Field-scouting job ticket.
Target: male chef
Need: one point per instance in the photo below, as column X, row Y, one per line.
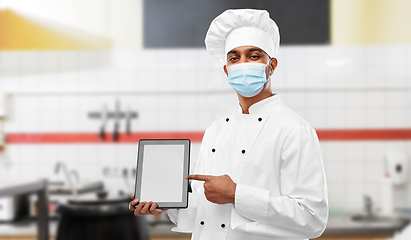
column 259, row 174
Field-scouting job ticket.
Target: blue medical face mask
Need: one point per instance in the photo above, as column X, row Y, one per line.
column 247, row 79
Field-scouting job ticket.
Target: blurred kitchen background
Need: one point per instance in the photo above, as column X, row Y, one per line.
column 82, row 81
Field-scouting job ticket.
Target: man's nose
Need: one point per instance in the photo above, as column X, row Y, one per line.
column 243, row 59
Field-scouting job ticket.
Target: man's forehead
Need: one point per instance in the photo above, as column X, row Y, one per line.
column 245, row 49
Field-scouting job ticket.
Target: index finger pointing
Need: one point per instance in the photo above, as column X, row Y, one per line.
column 198, row 177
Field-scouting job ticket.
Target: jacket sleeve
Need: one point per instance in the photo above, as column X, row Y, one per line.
column 302, row 209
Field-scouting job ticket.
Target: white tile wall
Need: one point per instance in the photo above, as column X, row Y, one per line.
column 337, row 87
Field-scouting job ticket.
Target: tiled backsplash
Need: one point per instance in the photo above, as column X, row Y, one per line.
column 332, row 87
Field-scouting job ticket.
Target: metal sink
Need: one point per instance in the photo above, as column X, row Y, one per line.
column 80, row 188
column 362, row 224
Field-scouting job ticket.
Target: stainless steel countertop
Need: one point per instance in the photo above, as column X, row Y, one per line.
column 21, row 187
column 343, row 225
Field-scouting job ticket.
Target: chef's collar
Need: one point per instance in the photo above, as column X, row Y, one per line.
column 264, row 106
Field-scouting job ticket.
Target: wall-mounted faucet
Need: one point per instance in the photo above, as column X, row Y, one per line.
column 67, row 175
column 75, row 174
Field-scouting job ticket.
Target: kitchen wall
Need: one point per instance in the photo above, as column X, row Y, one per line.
column 184, row 90
column 370, row 22
column 120, row 21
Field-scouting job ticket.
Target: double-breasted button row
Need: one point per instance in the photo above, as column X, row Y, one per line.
column 259, row 119
column 242, row 151
column 222, row 225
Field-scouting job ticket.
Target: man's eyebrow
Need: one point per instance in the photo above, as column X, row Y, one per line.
column 248, row 50
column 254, row 49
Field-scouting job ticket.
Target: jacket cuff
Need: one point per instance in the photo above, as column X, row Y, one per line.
column 252, row 202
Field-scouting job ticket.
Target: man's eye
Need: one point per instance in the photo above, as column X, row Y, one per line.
column 232, row 58
column 255, row 57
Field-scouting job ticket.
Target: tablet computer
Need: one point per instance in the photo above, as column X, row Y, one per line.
column 162, row 165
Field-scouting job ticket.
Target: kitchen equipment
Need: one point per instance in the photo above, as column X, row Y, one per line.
column 387, row 197
column 368, row 204
column 396, row 164
column 61, row 188
column 104, row 116
column 13, row 207
column 128, row 121
column 8, row 208
column 102, row 219
column 67, row 175
column 116, row 121
column 38, row 187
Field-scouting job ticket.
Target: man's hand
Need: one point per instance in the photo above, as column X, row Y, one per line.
column 145, row 208
column 217, row 189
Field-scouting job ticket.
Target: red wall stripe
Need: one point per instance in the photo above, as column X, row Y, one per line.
column 27, row 138
column 323, row 134
column 364, row 134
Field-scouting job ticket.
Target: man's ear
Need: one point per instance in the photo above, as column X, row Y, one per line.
column 225, row 70
column 273, row 65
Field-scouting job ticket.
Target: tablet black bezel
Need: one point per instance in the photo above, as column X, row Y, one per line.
column 137, row 187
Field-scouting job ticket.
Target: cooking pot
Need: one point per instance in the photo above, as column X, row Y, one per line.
column 99, row 219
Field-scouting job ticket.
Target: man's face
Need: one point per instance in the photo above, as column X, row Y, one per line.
column 250, row 54
column 246, row 54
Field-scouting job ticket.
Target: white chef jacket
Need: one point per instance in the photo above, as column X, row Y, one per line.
column 274, row 157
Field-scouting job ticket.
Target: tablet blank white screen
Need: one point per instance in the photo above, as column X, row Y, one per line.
column 162, row 173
